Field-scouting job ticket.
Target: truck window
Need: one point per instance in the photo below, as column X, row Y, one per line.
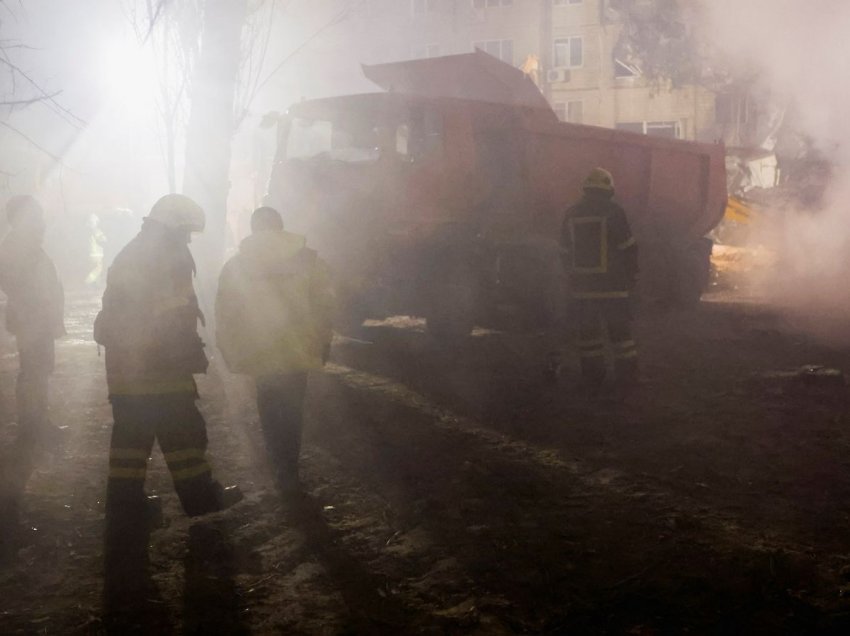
column 308, row 138
column 358, row 138
column 350, row 142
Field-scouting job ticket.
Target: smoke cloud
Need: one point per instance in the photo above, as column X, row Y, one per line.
column 800, row 50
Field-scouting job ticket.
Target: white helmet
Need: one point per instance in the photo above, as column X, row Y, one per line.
column 178, row 211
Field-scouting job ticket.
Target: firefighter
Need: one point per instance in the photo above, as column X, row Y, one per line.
column 602, row 267
column 34, row 314
column 273, row 322
column 148, row 327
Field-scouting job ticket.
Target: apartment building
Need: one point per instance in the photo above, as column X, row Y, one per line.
column 392, row 30
column 567, row 45
column 587, row 83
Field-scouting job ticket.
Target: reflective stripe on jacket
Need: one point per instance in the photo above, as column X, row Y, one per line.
column 602, row 252
column 273, row 307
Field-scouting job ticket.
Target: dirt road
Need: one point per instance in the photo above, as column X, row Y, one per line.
column 455, row 490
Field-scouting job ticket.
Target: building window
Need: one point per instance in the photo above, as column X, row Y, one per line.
column 666, row 129
column 560, row 109
column 624, row 69
column 486, row 4
column 563, row 3
column 420, row 7
column 419, row 52
column 502, row 49
column 572, row 111
column 569, row 52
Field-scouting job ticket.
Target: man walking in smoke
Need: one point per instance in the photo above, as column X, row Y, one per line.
column 34, row 314
column 602, row 266
column 148, row 326
column 273, row 317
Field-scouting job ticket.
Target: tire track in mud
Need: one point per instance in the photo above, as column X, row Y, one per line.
column 594, row 480
column 591, row 505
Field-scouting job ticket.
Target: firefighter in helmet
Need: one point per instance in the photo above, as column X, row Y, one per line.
column 148, row 327
column 602, row 266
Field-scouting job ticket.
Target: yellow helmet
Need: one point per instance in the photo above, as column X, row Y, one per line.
column 178, row 211
column 599, row 179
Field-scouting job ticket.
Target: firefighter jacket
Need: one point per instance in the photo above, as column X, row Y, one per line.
column 600, row 249
column 36, row 302
column 273, row 307
column 148, row 324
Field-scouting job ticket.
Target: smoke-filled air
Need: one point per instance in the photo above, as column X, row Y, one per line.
column 795, row 55
column 424, row 317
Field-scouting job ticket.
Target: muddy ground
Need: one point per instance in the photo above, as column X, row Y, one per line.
column 454, row 490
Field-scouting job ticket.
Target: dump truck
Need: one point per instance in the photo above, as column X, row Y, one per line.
column 443, row 195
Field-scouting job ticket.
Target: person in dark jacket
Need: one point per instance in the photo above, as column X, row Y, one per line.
column 602, row 267
column 273, row 322
column 34, row 314
column 148, row 327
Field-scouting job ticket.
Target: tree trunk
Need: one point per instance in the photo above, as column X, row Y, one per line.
column 210, row 131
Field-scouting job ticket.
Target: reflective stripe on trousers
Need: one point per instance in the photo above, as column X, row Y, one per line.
column 601, row 323
column 176, row 424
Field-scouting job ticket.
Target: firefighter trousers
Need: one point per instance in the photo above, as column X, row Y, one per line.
column 604, row 323
column 280, row 404
column 174, row 421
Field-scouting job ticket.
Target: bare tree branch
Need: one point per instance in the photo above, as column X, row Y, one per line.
column 31, row 100
column 34, row 143
column 11, row 44
column 69, row 117
column 254, row 58
column 154, row 18
column 342, row 15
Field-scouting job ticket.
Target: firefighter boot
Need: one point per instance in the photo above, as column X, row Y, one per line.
column 203, row 496
column 229, row 496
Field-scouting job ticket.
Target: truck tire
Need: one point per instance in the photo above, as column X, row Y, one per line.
column 694, row 272
column 451, row 308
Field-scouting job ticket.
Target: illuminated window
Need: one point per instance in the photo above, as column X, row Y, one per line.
column 502, row 49
column 569, row 52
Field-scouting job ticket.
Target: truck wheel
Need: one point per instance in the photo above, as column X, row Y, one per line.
column 694, row 272
column 451, row 309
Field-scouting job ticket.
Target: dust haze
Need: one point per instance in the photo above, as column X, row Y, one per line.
column 799, row 52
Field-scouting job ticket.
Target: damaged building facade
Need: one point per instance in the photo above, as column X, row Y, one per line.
column 581, row 53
